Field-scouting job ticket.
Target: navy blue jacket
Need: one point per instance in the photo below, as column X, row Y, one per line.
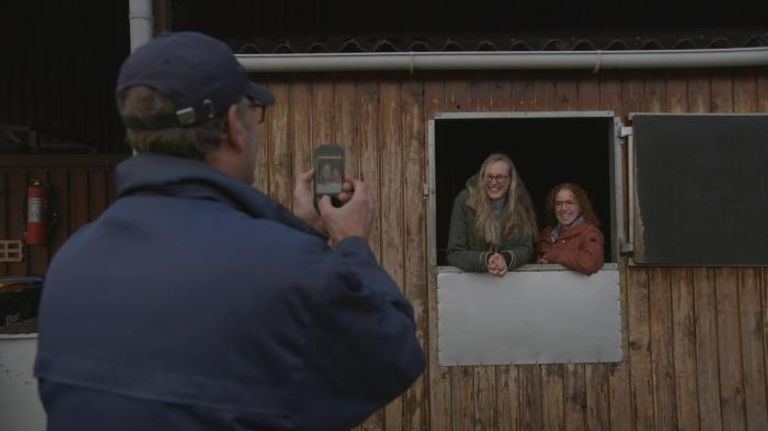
column 196, row 302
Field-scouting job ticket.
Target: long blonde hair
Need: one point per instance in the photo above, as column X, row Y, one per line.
column 518, row 221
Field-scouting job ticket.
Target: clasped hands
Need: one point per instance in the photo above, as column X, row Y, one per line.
column 496, row 264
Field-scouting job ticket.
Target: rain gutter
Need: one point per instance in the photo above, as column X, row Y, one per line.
column 506, row 60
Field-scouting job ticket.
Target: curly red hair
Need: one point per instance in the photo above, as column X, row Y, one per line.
column 581, row 198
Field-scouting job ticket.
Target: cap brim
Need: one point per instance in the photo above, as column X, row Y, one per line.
column 259, row 93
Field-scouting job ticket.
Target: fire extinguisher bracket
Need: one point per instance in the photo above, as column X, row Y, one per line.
column 40, row 217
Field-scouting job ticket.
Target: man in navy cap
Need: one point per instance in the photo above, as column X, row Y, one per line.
column 195, row 301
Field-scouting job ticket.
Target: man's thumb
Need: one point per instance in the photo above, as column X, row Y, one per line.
column 324, row 205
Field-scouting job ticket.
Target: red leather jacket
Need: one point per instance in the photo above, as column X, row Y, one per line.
column 579, row 247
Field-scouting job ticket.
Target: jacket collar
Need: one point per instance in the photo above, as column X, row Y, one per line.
column 175, row 176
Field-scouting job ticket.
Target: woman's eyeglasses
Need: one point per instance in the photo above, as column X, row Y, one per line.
column 496, row 178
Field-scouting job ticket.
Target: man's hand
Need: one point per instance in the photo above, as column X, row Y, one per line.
column 354, row 217
column 496, row 265
column 304, row 199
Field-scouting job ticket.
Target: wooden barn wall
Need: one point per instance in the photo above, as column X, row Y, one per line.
column 695, row 339
column 82, row 186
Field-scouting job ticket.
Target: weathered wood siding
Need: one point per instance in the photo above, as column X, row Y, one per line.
column 82, row 186
column 695, row 339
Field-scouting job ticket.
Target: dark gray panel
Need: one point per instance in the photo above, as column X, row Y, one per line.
column 702, row 189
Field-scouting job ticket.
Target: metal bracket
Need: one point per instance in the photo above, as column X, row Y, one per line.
column 627, row 247
column 425, row 192
column 625, row 132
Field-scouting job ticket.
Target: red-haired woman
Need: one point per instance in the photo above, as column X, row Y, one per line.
column 573, row 239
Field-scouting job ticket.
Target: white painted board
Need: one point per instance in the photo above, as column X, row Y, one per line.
column 541, row 314
column 20, row 407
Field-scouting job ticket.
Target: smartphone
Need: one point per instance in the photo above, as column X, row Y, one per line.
column 329, row 172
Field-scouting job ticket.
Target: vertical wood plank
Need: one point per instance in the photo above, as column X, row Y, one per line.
column 507, row 383
column 721, row 87
column 523, row 96
column 261, row 169
column 745, row 94
column 544, row 94
column 4, row 208
column 440, row 412
column 530, row 409
column 621, row 401
column 595, row 375
column 575, row 397
column 598, row 397
column 566, row 95
column 531, row 398
column 17, row 187
column 574, row 375
column 698, row 92
column 655, row 93
column 368, row 141
column 753, row 338
column 707, row 348
column 484, row 376
column 728, row 332
column 462, row 378
column 639, row 348
column 705, row 299
column 302, row 148
column 415, row 400
column 620, row 395
column 97, row 192
column 59, row 181
column 762, row 91
column 278, row 166
column 391, row 207
column 729, row 347
column 321, row 119
column 588, row 93
column 684, row 348
column 78, row 200
column 345, row 122
column 501, row 94
column 552, row 386
column 662, row 363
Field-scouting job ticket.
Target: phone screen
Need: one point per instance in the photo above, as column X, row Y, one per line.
column 329, row 172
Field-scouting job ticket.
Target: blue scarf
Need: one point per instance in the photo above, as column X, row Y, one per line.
column 556, row 230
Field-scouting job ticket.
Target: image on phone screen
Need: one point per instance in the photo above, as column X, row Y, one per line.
column 329, row 174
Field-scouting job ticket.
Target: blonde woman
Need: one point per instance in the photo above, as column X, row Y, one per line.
column 493, row 225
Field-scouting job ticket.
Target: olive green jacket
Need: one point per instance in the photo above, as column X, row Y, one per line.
column 469, row 251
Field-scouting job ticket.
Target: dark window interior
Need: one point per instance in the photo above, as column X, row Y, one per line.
column 546, row 151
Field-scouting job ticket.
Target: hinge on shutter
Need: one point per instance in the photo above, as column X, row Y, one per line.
column 625, row 131
column 426, row 191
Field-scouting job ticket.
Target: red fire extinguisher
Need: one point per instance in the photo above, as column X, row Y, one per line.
column 37, row 213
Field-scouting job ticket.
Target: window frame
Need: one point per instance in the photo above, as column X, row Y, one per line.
column 618, row 232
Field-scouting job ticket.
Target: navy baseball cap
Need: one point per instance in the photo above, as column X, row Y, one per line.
column 198, row 73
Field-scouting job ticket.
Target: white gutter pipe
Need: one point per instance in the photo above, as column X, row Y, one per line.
column 141, row 22
column 506, row 60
